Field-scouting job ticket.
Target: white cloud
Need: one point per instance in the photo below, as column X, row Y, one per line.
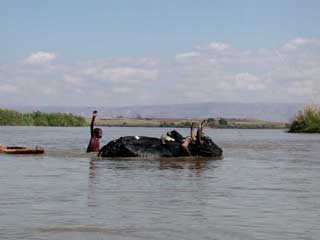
column 248, row 81
column 40, row 57
column 186, row 55
column 302, row 88
column 218, row 46
column 121, row 90
column 72, row 79
column 253, row 75
column 300, row 42
column 214, row 46
column 123, row 74
column 8, row 88
column 210, row 72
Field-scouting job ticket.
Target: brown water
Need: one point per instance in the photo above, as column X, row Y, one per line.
column 267, row 187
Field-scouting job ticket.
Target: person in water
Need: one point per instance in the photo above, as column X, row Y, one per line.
column 177, row 137
column 186, row 141
column 96, row 134
column 200, row 133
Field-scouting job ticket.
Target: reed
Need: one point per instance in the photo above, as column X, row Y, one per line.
column 306, row 121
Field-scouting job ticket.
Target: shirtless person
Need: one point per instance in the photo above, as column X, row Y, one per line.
column 175, row 136
column 96, row 134
column 186, row 141
column 192, row 138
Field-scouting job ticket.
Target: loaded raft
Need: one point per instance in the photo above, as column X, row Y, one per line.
column 141, row 146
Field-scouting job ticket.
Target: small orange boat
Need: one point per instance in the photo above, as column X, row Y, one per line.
column 22, row 150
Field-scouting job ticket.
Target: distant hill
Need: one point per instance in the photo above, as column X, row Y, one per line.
column 262, row 111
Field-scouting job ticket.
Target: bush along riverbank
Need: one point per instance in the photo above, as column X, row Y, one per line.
column 13, row 118
column 306, row 121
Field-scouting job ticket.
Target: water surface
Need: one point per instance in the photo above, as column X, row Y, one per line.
column 267, row 187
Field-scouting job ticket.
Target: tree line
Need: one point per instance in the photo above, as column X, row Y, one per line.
column 14, row 118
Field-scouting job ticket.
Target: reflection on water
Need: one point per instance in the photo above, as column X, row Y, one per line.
column 267, row 187
column 86, row 230
column 195, row 165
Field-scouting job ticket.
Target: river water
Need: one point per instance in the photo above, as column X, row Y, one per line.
column 267, row 187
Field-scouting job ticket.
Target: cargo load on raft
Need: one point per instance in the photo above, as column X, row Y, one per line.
column 141, row 146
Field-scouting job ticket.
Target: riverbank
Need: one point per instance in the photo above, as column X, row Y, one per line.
column 14, row 118
column 182, row 123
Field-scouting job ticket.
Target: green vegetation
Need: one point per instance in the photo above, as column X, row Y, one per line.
column 13, row 118
column 306, row 121
column 223, row 122
column 252, row 126
column 167, row 124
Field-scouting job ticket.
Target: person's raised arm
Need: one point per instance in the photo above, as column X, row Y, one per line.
column 193, row 137
column 94, row 114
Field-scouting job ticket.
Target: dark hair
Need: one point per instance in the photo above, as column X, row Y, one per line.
column 97, row 132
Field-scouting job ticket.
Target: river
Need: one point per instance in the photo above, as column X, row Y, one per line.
column 266, row 187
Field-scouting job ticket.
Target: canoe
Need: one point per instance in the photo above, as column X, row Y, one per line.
column 23, row 150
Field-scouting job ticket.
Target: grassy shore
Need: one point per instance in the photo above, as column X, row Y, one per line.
column 13, row 118
column 181, row 123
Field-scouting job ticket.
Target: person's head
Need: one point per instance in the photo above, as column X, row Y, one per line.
column 97, row 132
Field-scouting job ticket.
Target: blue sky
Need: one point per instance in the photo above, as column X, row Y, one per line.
column 94, row 29
column 128, row 46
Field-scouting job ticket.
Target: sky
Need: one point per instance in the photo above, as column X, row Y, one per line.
column 147, row 52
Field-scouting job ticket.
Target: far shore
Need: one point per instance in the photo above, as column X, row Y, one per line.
column 186, row 123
